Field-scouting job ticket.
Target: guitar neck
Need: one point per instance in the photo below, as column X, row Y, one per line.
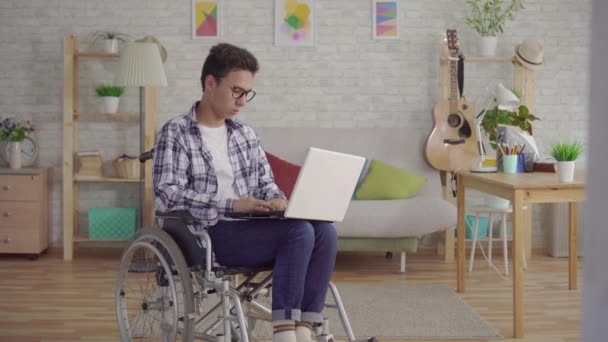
column 453, row 87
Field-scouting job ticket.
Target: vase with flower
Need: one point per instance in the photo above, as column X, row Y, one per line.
column 14, row 132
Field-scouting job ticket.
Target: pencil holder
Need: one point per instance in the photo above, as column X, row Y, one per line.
column 509, row 163
column 521, row 163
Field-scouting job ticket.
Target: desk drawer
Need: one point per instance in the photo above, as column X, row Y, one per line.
column 20, row 187
column 19, row 241
column 22, row 215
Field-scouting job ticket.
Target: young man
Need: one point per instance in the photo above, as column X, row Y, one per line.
column 210, row 164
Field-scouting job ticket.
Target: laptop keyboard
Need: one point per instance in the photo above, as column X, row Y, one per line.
column 254, row 215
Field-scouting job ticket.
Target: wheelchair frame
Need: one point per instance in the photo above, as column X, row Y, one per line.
column 197, row 285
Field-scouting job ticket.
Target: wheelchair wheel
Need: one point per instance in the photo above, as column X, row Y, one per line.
column 154, row 300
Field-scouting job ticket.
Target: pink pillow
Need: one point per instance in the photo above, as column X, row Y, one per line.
column 285, row 173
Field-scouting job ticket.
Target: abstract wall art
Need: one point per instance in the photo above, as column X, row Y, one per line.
column 385, row 19
column 294, row 23
column 206, row 19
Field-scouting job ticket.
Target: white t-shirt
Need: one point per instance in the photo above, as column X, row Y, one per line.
column 216, row 141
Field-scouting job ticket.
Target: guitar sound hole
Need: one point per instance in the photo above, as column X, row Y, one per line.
column 465, row 130
column 454, row 120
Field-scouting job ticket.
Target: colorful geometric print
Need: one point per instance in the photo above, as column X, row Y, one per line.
column 206, row 19
column 386, row 19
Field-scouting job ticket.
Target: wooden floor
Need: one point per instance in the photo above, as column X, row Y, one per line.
column 53, row 300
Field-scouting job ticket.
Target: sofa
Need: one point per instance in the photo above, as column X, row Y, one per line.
column 375, row 225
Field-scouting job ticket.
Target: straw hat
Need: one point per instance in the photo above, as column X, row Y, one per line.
column 161, row 48
column 530, row 54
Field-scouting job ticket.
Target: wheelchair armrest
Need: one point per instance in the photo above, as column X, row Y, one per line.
column 183, row 215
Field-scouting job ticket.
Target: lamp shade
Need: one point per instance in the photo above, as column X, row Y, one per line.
column 140, row 65
column 506, row 99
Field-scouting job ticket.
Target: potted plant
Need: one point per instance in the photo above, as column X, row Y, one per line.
column 565, row 154
column 15, row 132
column 110, row 95
column 488, row 18
column 494, row 117
column 110, row 40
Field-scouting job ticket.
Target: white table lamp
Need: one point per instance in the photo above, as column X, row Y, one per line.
column 140, row 65
column 506, row 101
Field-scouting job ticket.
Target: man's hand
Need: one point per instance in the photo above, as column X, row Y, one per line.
column 278, row 203
column 245, row 204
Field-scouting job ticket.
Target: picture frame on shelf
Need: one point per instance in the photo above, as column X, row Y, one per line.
column 206, row 19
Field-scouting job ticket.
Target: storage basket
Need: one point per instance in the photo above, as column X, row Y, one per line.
column 127, row 167
column 111, row 223
column 482, row 229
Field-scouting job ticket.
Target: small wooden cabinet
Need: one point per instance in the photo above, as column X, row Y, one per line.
column 24, row 211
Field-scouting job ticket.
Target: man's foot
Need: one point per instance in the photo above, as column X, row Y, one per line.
column 284, row 331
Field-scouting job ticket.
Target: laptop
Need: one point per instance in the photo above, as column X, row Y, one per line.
column 323, row 189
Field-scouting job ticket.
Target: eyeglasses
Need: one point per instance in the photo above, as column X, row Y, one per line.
column 238, row 92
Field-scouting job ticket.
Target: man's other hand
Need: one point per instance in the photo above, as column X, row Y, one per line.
column 246, row 204
column 278, row 203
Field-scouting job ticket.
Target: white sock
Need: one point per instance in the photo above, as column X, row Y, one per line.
column 304, row 332
column 284, row 331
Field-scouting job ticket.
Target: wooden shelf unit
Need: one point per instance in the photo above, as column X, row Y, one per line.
column 523, row 78
column 98, row 115
column 105, row 180
column 523, row 82
column 71, row 117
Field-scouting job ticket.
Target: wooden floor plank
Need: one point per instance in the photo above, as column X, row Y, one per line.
column 53, row 300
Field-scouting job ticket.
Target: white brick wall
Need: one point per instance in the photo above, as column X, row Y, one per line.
column 346, row 80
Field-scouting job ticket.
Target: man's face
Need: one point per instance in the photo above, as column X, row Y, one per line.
column 223, row 92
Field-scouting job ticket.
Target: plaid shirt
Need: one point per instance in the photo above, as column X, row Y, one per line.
column 184, row 176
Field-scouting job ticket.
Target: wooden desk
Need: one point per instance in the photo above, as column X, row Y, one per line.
column 523, row 189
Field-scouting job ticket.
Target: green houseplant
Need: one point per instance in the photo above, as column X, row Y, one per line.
column 494, row 117
column 110, row 95
column 565, row 155
column 488, row 18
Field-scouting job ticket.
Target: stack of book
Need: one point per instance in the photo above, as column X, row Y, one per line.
column 90, row 164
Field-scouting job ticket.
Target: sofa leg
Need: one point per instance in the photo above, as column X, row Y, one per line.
column 402, row 262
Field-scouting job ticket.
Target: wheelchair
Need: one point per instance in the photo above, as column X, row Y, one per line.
column 160, row 296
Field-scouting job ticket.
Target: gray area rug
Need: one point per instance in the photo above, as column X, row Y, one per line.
column 397, row 311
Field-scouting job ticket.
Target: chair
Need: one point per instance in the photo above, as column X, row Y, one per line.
column 162, row 295
column 491, row 212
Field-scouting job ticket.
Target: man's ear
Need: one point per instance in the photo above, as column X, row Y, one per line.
column 210, row 82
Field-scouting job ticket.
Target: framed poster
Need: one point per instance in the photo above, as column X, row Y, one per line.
column 206, row 19
column 294, row 22
column 385, row 19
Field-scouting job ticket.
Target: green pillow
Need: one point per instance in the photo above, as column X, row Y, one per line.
column 386, row 182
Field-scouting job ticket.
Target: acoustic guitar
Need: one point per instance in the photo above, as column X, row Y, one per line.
column 452, row 144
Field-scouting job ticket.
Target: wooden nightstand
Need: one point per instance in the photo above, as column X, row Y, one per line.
column 24, row 211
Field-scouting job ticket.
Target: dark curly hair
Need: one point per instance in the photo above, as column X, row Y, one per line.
column 224, row 58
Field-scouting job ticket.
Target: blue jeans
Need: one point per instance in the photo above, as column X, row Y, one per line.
column 303, row 253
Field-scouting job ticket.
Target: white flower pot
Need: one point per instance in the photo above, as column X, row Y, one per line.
column 565, row 171
column 15, row 157
column 487, row 46
column 110, row 45
column 110, row 104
